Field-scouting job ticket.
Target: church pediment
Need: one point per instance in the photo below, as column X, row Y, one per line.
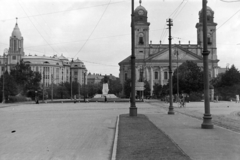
column 182, row 55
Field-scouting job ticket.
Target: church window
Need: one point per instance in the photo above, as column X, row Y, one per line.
column 126, row 76
column 156, row 75
column 15, row 45
column 13, row 57
column 141, row 76
column 141, row 42
column 209, row 39
column 165, row 75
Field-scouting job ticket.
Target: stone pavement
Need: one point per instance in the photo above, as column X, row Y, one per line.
column 200, row 144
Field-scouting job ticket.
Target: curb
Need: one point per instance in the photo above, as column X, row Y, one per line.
column 114, row 150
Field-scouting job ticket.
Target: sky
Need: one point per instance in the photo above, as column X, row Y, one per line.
column 98, row 31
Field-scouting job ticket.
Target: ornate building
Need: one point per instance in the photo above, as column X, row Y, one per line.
column 53, row 69
column 152, row 60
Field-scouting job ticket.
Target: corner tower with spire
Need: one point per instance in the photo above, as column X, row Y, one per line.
column 16, row 46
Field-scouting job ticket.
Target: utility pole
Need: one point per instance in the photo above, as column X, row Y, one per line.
column 207, row 118
column 84, row 96
column 52, row 85
column 170, row 111
column 133, row 108
column 43, row 83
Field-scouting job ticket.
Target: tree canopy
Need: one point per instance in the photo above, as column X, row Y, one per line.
column 190, row 78
column 25, row 78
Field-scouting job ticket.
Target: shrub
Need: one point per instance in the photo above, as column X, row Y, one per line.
column 13, row 99
column 195, row 96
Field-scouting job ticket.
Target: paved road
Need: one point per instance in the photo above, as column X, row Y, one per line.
column 60, row 131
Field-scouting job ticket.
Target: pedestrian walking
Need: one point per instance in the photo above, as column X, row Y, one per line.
column 105, row 98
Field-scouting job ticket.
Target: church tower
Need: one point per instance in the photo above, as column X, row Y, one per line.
column 16, row 46
column 141, row 30
column 211, row 39
column 211, row 32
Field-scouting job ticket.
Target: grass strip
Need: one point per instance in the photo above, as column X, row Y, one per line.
column 140, row 139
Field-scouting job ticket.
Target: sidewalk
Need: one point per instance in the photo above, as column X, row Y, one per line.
column 199, row 144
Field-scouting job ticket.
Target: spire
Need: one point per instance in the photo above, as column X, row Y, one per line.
column 16, row 20
column 140, row 1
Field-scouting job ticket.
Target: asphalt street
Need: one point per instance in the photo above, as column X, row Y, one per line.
column 60, row 131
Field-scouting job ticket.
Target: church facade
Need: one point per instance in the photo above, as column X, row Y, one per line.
column 152, row 60
column 53, row 69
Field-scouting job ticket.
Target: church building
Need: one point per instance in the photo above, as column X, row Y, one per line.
column 152, row 60
column 53, row 69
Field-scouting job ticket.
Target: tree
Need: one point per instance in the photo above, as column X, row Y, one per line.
column 25, row 78
column 10, row 87
column 227, row 85
column 229, row 78
column 147, row 89
column 127, row 88
column 115, row 86
column 157, row 88
column 190, row 78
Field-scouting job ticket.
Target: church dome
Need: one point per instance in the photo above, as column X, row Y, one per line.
column 16, row 32
column 140, row 8
column 140, row 14
column 210, row 12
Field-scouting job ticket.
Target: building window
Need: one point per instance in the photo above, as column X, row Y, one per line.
column 126, row 76
column 165, row 75
column 141, row 42
column 75, row 73
column 75, row 79
column 156, row 75
column 13, row 57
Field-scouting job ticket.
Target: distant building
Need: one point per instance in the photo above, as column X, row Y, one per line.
column 152, row 60
column 53, row 69
column 97, row 78
column 94, row 78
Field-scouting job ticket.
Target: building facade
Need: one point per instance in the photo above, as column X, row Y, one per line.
column 152, row 60
column 53, row 69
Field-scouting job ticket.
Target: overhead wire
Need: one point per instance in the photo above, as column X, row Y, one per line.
column 36, row 28
column 175, row 14
column 92, row 30
column 56, row 12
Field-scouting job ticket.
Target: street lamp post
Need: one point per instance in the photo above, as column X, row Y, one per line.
column 3, row 97
column 71, row 79
column 133, row 108
column 84, row 96
column 170, row 111
column 207, row 118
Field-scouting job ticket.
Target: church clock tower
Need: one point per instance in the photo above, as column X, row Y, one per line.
column 16, row 46
column 141, row 28
column 211, row 32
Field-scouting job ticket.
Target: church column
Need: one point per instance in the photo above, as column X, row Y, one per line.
column 147, row 73
column 162, row 75
column 137, row 74
column 151, row 80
